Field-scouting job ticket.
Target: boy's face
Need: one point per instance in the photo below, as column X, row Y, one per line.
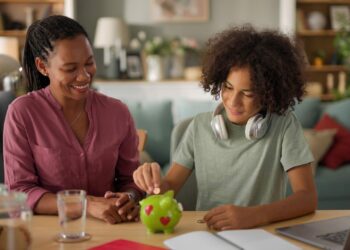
column 237, row 95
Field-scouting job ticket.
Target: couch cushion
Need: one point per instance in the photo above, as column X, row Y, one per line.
column 319, row 142
column 308, row 112
column 156, row 118
column 340, row 111
column 338, row 154
column 333, row 184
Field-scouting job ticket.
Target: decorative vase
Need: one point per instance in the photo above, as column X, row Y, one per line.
column 177, row 66
column 155, row 70
column 316, row 20
column 166, row 66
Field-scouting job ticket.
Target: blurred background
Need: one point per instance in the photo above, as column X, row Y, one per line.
column 163, row 40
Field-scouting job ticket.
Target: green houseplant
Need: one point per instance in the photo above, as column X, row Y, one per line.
column 342, row 45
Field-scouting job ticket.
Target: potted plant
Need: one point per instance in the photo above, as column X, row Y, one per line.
column 342, row 45
column 181, row 50
column 157, row 51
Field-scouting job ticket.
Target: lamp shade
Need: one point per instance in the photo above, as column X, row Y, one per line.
column 109, row 32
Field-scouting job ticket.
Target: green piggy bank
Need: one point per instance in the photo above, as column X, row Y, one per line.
column 160, row 213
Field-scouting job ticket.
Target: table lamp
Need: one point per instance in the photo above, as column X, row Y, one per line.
column 112, row 35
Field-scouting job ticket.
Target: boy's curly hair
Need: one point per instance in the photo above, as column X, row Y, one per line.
column 276, row 65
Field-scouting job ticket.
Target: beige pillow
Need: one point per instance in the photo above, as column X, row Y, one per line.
column 319, row 142
column 145, row 157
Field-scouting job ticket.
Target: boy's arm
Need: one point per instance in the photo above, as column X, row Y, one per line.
column 301, row 202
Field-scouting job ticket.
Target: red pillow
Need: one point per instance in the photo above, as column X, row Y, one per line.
column 339, row 152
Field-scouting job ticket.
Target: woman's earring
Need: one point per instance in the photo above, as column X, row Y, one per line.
column 217, row 96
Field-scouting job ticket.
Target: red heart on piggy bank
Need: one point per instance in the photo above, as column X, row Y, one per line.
column 164, row 220
column 148, row 209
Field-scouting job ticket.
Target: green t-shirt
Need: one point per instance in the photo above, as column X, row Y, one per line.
column 239, row 171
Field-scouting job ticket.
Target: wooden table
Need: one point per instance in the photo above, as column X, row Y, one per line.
column 44, row 228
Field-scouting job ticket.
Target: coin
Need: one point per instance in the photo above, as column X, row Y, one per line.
column 156, row 190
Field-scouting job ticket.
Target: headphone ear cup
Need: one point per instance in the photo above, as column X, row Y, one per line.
column 219, row 128
column 248, row 128
column 256, row 127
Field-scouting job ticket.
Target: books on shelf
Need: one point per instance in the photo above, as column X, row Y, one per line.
column 250, row 239
column 300, row 21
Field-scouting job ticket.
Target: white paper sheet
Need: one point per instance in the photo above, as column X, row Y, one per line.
column 252, row 239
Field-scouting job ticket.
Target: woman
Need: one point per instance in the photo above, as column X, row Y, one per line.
column 244, row 152
column 62, row 135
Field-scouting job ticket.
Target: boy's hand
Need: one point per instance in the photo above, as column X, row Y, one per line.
column 148, row 178
column 227, row 217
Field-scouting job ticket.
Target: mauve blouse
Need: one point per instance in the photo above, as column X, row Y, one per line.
column 42, row 154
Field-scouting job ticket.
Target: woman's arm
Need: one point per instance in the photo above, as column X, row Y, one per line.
column 19, row 167
column 97, row 207
column 301, row 202
column 47, row 204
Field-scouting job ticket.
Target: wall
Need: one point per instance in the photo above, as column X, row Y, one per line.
column 223, row 13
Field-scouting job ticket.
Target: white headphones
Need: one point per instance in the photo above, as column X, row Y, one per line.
column 255, row 128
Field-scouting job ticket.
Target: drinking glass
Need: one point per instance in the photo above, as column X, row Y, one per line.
column 15, row 217
column 3, row 189
column 72, row 215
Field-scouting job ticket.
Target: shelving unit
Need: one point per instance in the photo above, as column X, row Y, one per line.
column 16, row 15
column 16, row 33
column 317, row 42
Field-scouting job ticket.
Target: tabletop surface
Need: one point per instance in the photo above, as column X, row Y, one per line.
column 44, row 228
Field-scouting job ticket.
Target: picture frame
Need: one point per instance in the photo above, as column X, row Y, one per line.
column 180, row 11
column 134, row 65
column 339, row 14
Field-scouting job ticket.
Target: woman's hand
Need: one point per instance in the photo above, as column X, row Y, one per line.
column 148, row 178
column 104, row 209
column 128, row 209
column 228, row 217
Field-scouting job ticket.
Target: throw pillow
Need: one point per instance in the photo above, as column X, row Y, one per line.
column 338, row 154
column 338, row 110
column 319, row 142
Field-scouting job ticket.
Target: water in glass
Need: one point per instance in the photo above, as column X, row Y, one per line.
column 72, row 213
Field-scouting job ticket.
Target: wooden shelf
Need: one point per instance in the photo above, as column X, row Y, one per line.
column 32, row 1
column 312, row 33
column 327, row 68
column 323, row 1
column 16, row 33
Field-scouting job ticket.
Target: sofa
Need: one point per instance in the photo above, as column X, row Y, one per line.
column 160, row 117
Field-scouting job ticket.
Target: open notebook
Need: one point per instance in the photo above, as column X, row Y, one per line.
column 252, row 239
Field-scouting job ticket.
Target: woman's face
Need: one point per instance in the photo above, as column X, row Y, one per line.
column 237, row 95
column 70, row 68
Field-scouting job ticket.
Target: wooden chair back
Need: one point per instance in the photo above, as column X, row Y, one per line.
column 142, row 134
